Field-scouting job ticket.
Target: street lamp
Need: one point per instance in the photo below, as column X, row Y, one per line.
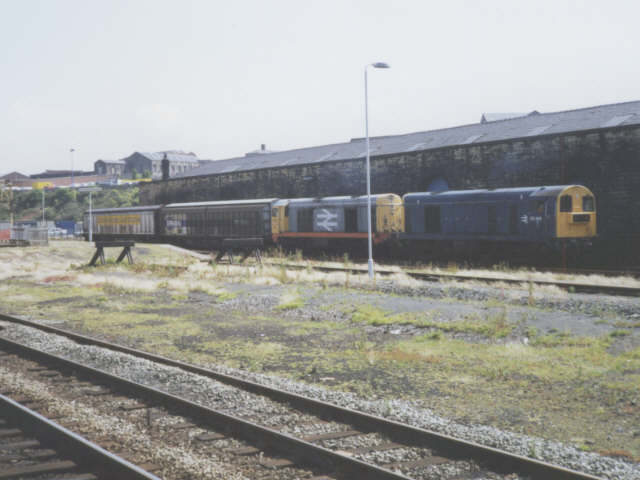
column 366, row 126
column 71, row 150
column 90, row 190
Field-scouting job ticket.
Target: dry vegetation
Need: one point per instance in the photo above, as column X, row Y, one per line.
column 476, row 368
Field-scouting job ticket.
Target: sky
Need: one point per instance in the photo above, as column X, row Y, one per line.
column 219, row 78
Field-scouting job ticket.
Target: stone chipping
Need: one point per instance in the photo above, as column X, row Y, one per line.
column 210, row 392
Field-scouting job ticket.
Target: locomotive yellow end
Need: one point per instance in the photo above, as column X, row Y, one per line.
column 389, row 214
column 576, row 213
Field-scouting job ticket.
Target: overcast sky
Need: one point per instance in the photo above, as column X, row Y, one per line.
column 221, row 77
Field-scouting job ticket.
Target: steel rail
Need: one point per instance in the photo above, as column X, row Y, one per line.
column 266, row 438
column 436, row 277
column 83, row 452
column 495, row 459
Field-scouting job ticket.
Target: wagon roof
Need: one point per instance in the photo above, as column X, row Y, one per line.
column 221, row 202
column 141, row 208
column 338, row 199
column 550, row 191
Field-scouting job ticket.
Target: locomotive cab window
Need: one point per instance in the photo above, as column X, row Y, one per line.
column 274, row 212
column 588, row 205
column 566, row 203
column 432, row 219
column 537, row 207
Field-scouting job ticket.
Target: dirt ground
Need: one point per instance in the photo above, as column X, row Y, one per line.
column 527, row 359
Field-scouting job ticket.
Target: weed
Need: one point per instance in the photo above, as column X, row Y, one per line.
column 290, row 301
column 282, row 275
column 452, row 267
column 493, row 302
column 224, row 296
column 498, row 325
column 619, row 333
column 371, row 315
column 434, row 335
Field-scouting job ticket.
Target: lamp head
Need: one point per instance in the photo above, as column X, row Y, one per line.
column 380, row 65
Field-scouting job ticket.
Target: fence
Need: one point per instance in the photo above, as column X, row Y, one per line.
column 30, row 236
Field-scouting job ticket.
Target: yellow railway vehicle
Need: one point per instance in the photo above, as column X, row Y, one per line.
column 321, row 221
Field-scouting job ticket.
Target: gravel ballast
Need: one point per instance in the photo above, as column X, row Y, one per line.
column 212, row 393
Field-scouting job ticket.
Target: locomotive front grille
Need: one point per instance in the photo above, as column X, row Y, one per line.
column 581, row 218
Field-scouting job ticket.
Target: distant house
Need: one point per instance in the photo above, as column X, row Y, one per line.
column 151, row 162
column 16, row 179
column 112, row 168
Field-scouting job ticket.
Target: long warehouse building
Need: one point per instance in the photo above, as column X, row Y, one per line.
column 598, row 147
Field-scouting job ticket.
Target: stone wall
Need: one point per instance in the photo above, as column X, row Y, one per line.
column 605, row 160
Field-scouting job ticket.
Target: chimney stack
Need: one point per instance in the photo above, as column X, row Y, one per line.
column 263, row 147
column 165, row 167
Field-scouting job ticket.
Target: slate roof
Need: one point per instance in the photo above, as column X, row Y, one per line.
column 173, row 156
column 604, row 116
column 112, row 162
column 13, row 176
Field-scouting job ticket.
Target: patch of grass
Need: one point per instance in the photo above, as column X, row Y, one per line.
column 112, row 289
column 290, row 301
column 224, row 296
column 619, row 333
column 494, row 303
column 563, row 339
column 372, row 315
column 495, row 325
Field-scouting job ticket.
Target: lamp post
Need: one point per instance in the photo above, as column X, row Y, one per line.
column 71, row 150
column 90, row 190
column 366, row 127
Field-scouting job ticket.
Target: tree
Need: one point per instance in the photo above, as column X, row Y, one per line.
column 134, row 173
column 146, row 174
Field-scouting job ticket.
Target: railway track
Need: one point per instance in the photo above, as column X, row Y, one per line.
column 572, row 286
column 34, row 446
column 297, row 431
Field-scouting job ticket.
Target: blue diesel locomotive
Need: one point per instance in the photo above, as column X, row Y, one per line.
column 535, row 215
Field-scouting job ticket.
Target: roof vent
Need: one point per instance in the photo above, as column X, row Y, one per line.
column 261, row 151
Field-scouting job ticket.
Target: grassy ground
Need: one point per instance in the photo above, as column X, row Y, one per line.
column 311, row 327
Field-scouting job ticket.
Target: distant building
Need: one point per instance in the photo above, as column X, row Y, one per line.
column 113, row 168
column 60, row 173
column 16, row 179
column 141, row 163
